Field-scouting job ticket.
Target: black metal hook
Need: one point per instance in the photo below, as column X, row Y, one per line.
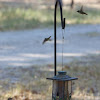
column 63, row 26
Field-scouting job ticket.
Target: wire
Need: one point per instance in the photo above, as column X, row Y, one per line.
column 62, row 47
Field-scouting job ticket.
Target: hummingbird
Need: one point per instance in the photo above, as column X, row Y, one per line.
column 46, row 39
column 72, row 4
column 81, row 11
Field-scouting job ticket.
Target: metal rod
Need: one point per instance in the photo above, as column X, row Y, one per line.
column 63, row 26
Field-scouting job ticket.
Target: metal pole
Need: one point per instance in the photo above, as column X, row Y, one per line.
column 63, row 26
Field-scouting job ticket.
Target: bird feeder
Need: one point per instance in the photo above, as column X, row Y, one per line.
column 62, row 86
column 62, row 83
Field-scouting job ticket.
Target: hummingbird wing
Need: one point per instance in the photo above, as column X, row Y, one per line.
column 81, row 8
column 49, row 37
column 44, row 41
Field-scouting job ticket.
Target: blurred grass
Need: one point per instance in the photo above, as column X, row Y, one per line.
column 22, row 18
column 32, row 84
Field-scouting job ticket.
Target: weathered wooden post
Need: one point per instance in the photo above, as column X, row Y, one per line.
column 62, row 83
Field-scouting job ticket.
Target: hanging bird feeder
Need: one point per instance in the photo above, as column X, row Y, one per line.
column 62, row 83
column 62, row 86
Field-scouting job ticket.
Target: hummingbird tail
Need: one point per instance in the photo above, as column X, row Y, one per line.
column 85, row 13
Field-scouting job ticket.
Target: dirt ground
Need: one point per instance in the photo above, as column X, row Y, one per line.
column 24, row 48
column 22, row 52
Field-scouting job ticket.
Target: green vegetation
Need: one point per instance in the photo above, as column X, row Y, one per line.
column 22, row 18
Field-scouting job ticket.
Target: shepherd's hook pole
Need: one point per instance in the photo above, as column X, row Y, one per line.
column 63, row 26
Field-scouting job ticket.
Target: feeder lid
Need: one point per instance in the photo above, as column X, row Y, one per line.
column 62, row 77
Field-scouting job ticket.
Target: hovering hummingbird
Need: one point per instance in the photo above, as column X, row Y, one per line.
column 46, row 39
column 81, row 11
